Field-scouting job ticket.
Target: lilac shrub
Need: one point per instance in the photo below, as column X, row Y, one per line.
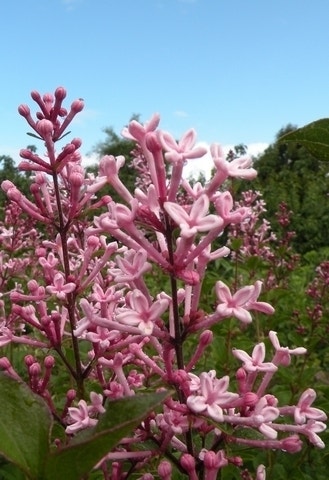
column 108, row 307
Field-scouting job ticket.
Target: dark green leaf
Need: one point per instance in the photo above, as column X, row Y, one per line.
column 60, row 138
column 33, row 135
column 88, row 448
column 314, row 137
column 25, row 423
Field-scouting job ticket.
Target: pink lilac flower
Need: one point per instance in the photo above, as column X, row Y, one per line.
column 59, row 287
column 139, row 312
column 255, row 362
column 283, row 354
column 196, row 220
column 304, row 411
column 79, row 418
column 213, row 396
column 239, row 304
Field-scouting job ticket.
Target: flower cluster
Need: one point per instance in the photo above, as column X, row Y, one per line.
column 116, row 302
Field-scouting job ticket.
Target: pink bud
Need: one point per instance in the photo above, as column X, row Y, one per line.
column 6, row 185
column 152, row 142
column 32, row 285
column 71, row 394
column 250, row 399
column 93, row 241
column 187, row 462
column 14, row 194
column 77, row 106
column 25, row 153
column 77, row 142
column 164, row 470
column 5, row 363
column 24, row 111
column 60, row 93
column 76, row 179
column 206, row 337
column 35, row 369
column 35, row 96
column 292, row 444
column 45, row 128
column 29, row 360
column 49, row 361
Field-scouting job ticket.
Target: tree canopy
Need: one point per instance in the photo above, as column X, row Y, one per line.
column 288, row 173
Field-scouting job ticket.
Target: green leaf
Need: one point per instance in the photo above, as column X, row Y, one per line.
column 89, row 447
column 25, row 423
column 314, row 137
column 30, row 134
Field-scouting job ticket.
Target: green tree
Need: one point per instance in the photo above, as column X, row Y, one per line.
column 288, row 172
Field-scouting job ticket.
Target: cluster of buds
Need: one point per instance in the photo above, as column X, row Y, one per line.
column 129, row 285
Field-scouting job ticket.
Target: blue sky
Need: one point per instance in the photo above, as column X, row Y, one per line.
column 235, row 70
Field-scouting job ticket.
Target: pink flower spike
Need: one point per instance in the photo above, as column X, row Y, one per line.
column 304, row 411
column 255, row 362
column 59, row 287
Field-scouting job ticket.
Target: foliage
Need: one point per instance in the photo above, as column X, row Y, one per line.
column 290, row 172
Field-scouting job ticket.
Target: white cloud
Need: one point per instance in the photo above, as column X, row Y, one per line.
column 70, row 4
column 180, row 113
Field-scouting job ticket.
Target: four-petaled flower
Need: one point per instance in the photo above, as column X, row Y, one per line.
column 184, row 149
column 255, row 362
column 59, row 287
column 213, row 396
column 239, row 304
column 139, row 312
column 196, row 220
column 303, row 409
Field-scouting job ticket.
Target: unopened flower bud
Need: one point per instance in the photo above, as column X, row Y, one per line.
column 25, row 153
column 60, row 93
column 250, row 399
column 152, row 142
column 32, row 285
column 77, row 142
column 71, row 394
column 164, row 470
column 49, row 361
column 77, row 106
column 187, row 462
column 24, row 111
column 93, row 241
column 6, row 185
column 76, row 179
column 29, row 360
column 4, row 363
column 292, row 444
column 35, row 369
column 35, row 96
column 206, row 337
column 261, row 473
column 45, row 128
